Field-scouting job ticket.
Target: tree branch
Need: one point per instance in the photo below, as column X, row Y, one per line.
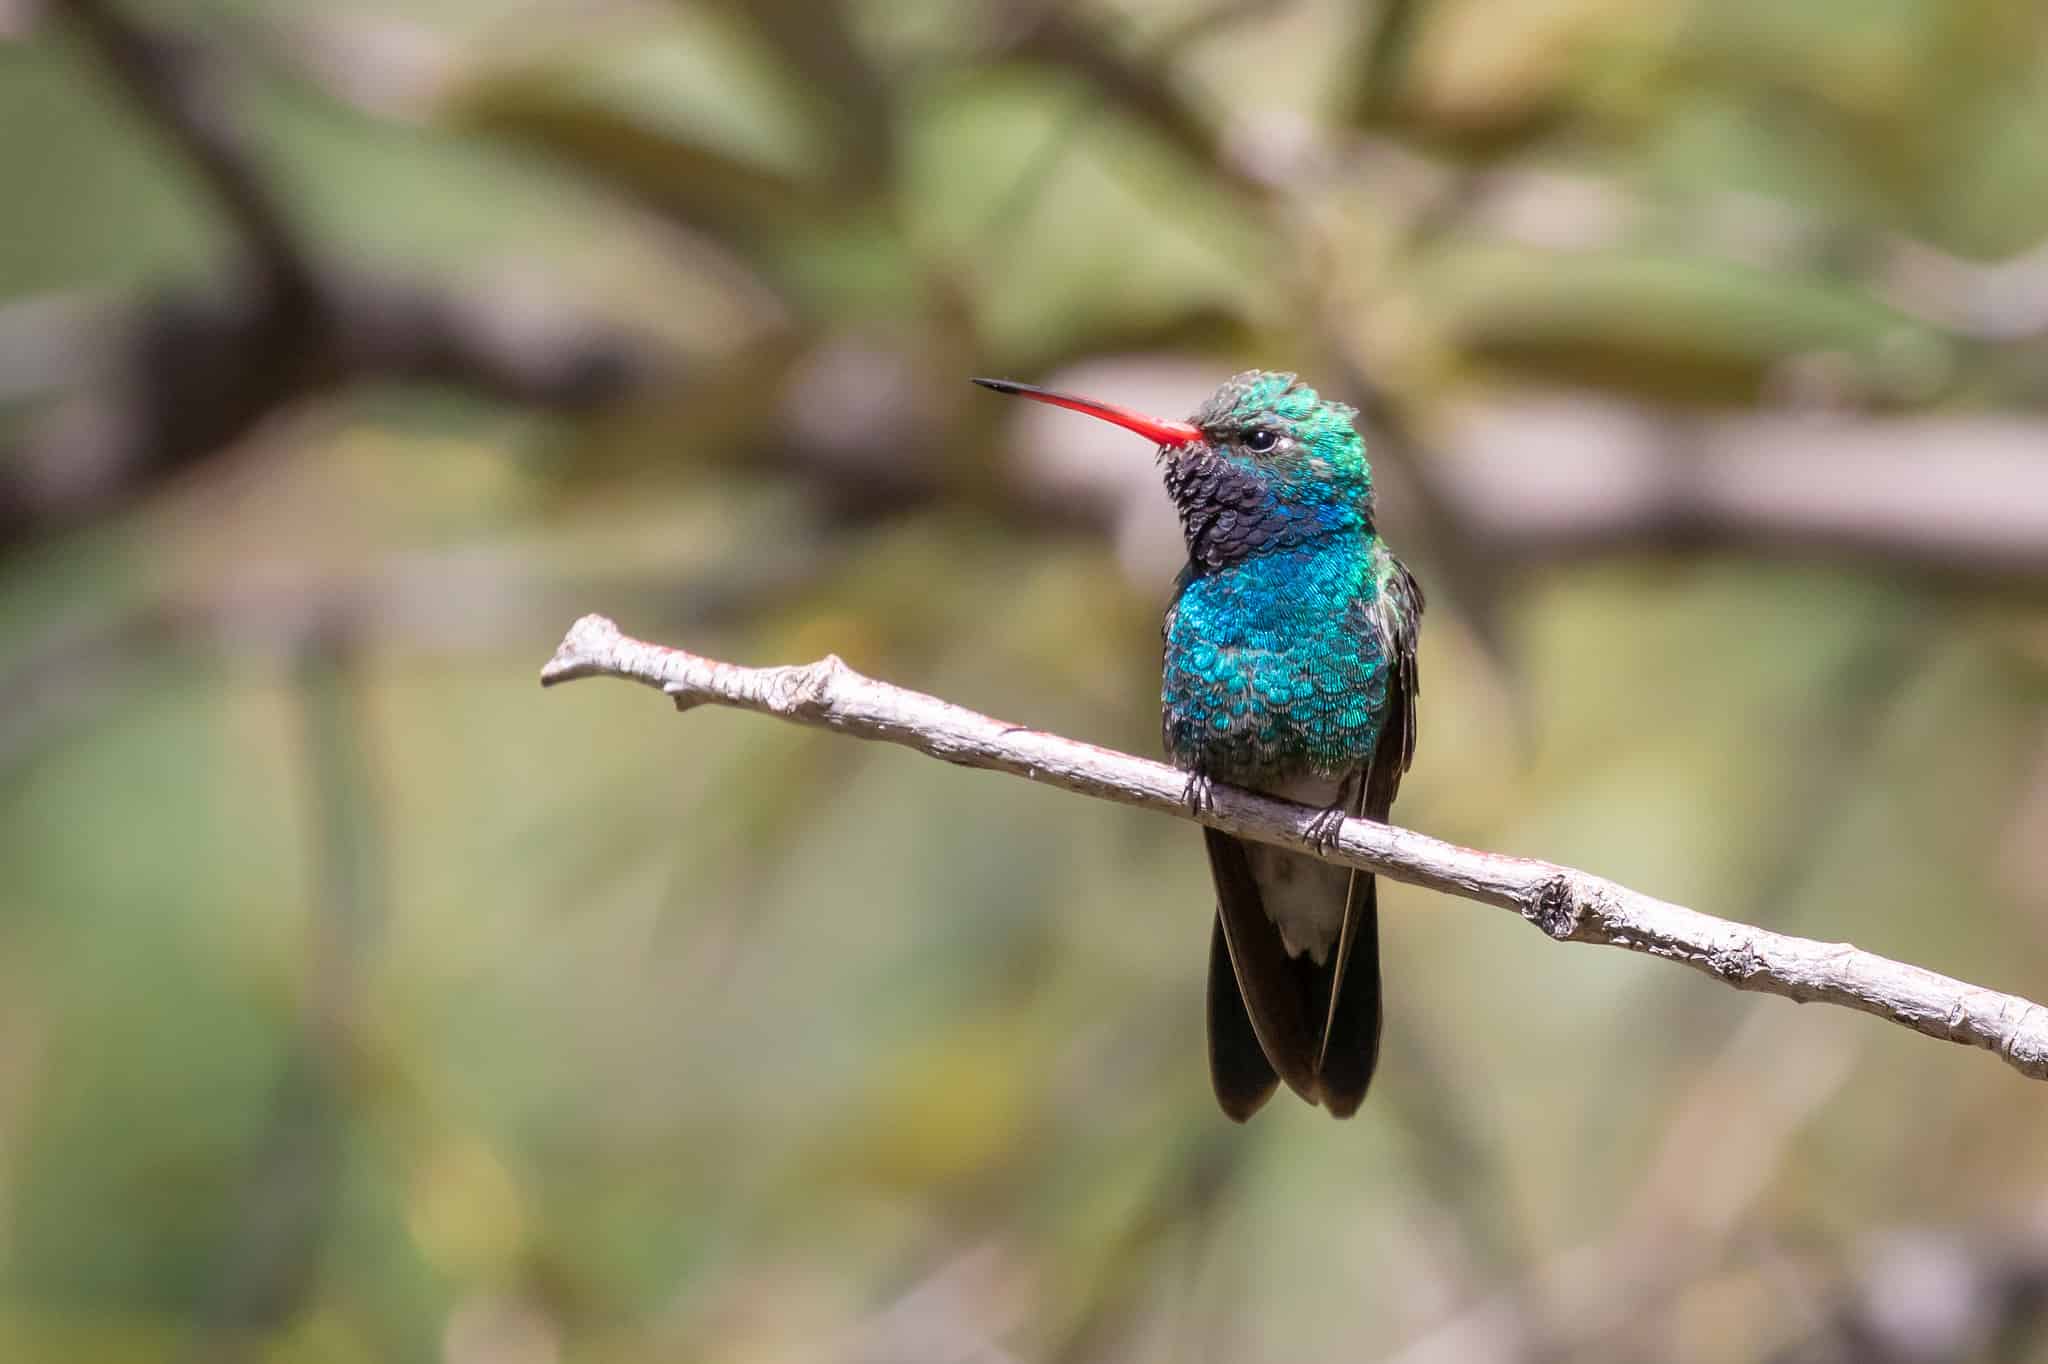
column 1544, row 479
column 180, row 86
column 193, row 371
column 1568, row 905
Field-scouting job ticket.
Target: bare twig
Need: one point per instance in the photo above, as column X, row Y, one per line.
column 1569, row 905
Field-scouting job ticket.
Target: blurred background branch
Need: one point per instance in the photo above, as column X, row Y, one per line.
column 187, row 374
column 185, row 91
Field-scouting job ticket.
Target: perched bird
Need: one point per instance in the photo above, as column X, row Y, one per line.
column 1289, row 669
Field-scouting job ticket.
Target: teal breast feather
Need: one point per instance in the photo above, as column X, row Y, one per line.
column 1272, row 666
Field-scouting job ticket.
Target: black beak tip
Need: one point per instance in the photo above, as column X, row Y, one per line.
column 1000, row 385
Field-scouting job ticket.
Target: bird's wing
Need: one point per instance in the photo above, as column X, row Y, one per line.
column 1351, row 1030
column 1397, row 615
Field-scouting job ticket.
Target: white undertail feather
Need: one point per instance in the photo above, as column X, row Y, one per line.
column 1304, row 897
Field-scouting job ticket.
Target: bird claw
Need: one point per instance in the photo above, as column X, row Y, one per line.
column 1324, row 828
column 1199, row 794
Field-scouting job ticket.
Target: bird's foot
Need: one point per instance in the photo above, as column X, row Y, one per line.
column 1199, row 795
column 1324, row 828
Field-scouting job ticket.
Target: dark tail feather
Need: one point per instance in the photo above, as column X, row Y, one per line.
column 1351, row 1045
column 1238, row 1067
column 1268, row 982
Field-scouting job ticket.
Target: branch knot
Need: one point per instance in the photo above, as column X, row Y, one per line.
column 810, row 692
column 1734, row 962
column 1554, row 907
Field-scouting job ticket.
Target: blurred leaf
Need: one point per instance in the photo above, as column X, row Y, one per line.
column 1982, row 189
column 1141, row 90
column 1381, row 72
column 814, row 38
column 1483, row 81
column 694, row 117
column 1120, row 231
column 724, row 194
column 1662, row 324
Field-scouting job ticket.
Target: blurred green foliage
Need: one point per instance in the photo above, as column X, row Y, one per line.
column 360, row 1002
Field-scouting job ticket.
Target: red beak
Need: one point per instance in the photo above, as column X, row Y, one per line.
column 1154, row 429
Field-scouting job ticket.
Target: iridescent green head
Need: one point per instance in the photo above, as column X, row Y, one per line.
column 1281, row 431
column 1266, row 464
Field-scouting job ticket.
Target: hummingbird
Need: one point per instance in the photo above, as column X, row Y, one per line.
column 1289, row 668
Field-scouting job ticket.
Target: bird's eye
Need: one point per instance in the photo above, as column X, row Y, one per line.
column 1260, row 441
